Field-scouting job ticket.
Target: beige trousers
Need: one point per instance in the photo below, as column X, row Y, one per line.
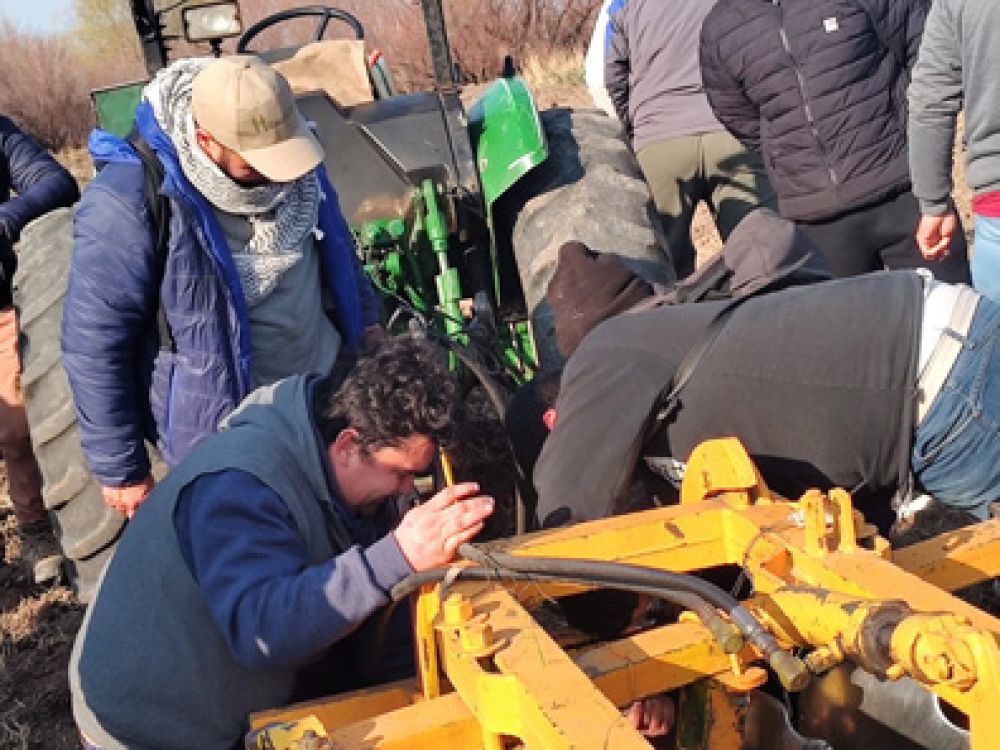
column 23, row 476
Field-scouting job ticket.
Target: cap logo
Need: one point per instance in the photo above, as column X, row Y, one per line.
column 260, row 124
column 249, row 108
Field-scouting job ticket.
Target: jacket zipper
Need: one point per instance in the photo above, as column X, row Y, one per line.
column 805, row 99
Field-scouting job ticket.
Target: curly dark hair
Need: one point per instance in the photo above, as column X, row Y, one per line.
column 402, row 388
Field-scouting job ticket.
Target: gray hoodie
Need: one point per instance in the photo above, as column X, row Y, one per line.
column 652, row 71
column 151, row 667
column 958, row 64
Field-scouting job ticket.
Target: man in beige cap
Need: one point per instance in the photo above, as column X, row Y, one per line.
column 255, row 278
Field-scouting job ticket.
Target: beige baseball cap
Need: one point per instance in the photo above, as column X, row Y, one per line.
column 248, row 106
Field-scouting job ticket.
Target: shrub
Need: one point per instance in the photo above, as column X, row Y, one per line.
column 480, row 33
column 45, row 81
column 45, row 85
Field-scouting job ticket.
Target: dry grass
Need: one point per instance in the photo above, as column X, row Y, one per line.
column 560, row 68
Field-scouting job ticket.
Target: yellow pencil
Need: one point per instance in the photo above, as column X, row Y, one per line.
column 449, row 473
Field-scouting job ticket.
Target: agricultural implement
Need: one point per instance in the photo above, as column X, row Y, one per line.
column 885, row 655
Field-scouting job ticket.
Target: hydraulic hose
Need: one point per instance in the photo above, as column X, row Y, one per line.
column 792, row 672
column 602, row 571
column 728, row 637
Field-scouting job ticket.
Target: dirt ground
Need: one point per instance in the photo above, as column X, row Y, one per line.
column 37, row 624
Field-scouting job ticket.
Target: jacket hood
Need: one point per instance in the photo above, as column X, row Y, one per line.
column 283, row 411
column 106, row 148
column 765, row 251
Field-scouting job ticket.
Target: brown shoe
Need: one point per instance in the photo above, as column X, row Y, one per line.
column 40, row 552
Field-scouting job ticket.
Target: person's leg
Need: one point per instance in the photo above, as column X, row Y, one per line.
column 894, row 223
column 38, row 547
column 23, row 476
column 986, row 257
column 737, row 181
column 956, row 451
column 846, row 243
column 671, row 169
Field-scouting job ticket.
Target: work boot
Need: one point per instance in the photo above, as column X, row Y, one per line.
column 40, row 552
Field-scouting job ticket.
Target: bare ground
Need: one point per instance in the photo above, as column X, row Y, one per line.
column 37, row 624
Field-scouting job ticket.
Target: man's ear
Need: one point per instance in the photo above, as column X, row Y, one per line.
column 344, row 447
column 205, row 141
column 549, row 418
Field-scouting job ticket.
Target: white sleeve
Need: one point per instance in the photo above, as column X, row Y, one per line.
column 593, row 64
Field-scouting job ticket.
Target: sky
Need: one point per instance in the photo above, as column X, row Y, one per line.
column 38, row 15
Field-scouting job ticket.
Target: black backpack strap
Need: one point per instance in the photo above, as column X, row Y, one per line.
column 708, row 284
column 666, row 402
column 158, row 206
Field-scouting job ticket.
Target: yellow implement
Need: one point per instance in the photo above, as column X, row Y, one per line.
column 490, row 676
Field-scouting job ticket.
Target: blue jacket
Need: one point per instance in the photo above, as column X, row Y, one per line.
column 41, row 184
column 125, row 387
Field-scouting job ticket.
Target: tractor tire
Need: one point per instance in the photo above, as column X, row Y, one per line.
column 589, row 189
column 86, row 527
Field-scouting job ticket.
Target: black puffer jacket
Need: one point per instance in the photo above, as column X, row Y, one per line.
column 819, row 87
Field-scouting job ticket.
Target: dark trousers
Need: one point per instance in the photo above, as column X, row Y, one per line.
column 883, row 236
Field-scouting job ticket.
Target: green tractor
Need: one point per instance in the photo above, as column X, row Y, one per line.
column 458, row 216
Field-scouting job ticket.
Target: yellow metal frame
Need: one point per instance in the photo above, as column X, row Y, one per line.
column 490, row 675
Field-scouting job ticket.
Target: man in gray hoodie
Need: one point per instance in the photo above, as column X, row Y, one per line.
column 957, row 66
column 653, row 77
column 269, row 548
column 867, row 383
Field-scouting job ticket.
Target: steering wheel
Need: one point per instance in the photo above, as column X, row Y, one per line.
column 322, row 12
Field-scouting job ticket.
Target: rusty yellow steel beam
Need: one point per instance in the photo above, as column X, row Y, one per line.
column 955, row 559
column 653, row 661
column 673, row 535
column 443, row 722
column 512, row 679
column 347, row 708
column 520, row 683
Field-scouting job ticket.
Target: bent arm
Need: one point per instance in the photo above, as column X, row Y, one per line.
column 107, row 317
column 270, row 604
column 41, row 183
column 935, row 98
column 617, row 70
column 588, row 460
column 732, row 108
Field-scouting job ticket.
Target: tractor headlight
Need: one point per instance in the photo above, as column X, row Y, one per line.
column 211, row 21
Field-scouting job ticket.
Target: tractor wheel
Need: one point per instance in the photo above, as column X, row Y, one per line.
column 589, row 189
column 87, row 529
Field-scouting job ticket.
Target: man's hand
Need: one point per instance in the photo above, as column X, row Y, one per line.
column 126, row 500
column 652, row 716
column 430, row 533
column 934, row 234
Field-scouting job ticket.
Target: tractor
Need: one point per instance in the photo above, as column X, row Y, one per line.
column 457, row 216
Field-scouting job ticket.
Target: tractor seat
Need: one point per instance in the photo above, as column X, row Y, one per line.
column 334, row 66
